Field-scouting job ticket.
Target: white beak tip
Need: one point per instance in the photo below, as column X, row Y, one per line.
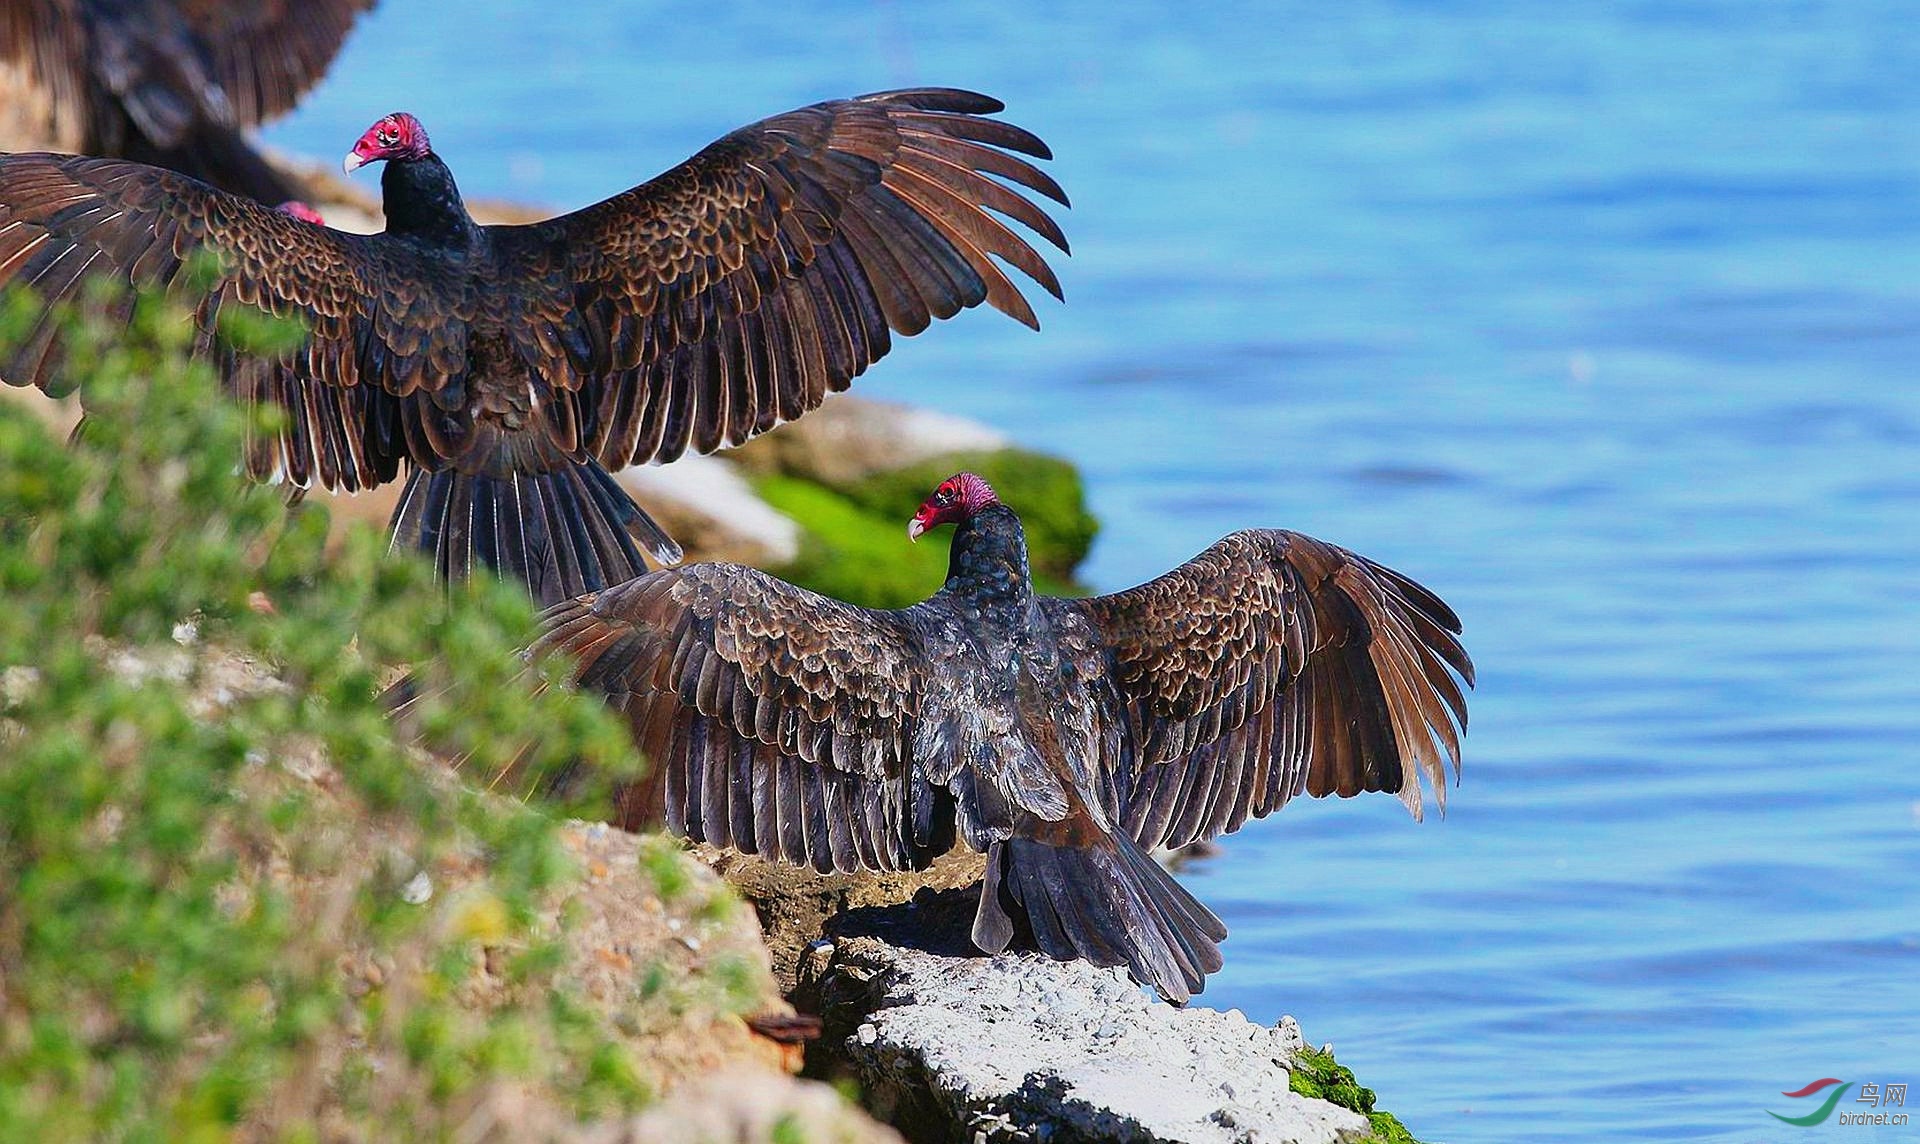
column 914, row 529
column 353, row 162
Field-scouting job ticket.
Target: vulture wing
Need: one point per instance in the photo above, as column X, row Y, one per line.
column 734, row 291
column 1269, row 664
column 386, row 334
column 241, row 62
column 266, row 54
column 386, row 352
column 701, row 307
column 783, row 723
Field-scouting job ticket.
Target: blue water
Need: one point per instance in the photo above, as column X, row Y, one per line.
column 1600, row 319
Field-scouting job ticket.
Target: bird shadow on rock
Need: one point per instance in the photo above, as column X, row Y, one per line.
column 932, row 921
column 845, row 978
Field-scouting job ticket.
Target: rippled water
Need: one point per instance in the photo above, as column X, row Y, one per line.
column 1603, row 323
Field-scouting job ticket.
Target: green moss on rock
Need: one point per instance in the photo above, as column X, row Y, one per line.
column 1045, row 491
column 855, row 546
column 851, row 554
column 1318, row 1075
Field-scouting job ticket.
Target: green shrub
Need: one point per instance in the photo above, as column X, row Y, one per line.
column 175, row 910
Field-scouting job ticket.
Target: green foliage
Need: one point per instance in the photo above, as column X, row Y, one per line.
column 856, row 549
column 668, row 866
column 175, row 905
column 788, row 1130
column 1317, row 1074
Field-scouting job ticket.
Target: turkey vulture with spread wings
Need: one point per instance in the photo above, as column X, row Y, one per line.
column 513, row 367
column 1065, row 738
column 174, row 82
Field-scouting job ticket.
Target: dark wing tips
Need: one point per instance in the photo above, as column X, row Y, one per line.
column 974, row 156
column 952, row 99
column 1275, row 664
column 1441, row 627
column 1404, row 683
column 995, row 132
column 810, row 240
column 573, row 630
column 763, row 763
column 946, row 168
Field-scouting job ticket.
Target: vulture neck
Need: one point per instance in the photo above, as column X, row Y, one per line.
column 989, row 561
column 421, row 202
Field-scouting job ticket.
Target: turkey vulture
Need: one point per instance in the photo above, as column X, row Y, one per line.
column 174, row 82
column 1065, row 738
column 512, row 367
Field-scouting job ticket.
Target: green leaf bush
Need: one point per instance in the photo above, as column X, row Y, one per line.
column 213, row 843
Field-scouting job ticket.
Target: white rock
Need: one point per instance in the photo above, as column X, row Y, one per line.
column 850, row 438
column 418, row 889
column 929, row 432
column 711, row 488
column 18, row 684
column 939, row 1028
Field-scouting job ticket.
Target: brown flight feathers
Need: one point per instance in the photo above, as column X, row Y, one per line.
column 1270, row 664
column 696, row 310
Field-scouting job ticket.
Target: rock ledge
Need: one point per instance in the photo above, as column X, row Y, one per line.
column 950, row 1047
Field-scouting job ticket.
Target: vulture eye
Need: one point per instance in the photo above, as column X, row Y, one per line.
column 943, row 495
column 386, row 137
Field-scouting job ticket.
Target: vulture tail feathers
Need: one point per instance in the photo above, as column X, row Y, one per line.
column 1097, row 897
column 564, row 532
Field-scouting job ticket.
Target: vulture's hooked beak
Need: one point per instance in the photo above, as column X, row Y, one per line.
column 914, row 528
column 353, row 162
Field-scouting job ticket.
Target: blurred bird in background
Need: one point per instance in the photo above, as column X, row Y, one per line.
column 176, row 83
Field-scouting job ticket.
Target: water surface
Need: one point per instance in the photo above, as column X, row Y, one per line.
column 1600, row 319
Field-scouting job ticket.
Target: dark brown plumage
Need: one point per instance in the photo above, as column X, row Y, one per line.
column 175, row 82
column 513, row 366
column 1064, row 738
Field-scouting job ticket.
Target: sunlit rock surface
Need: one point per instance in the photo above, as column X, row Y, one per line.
column 949, row 1045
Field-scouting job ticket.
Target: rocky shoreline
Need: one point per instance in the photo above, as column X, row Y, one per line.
column 711, row 1000
column 941, row 1043
column 951, row 1046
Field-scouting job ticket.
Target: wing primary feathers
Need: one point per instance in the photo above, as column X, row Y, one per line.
column 974, row 157
column 1270, row 664
column 992, row 131
column 828, row 229
column 970, row 187
column 938, row 99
